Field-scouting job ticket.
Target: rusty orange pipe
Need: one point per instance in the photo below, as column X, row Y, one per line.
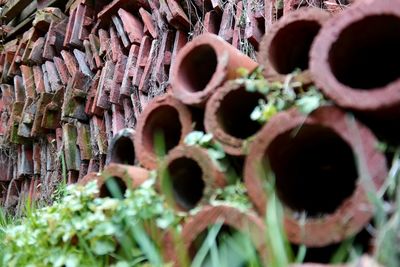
column 355, row 59
column 165, row 115
column 190, row 177
column 313, row 159
column 203, row 65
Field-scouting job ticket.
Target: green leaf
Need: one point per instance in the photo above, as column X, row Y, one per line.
column 205, row 139
column 193, row 138
column 242, row 72
column 215, row 154
column 250, row 86
column 269, row 111
column 103, row 246
column 308, row 104
column 257, row 113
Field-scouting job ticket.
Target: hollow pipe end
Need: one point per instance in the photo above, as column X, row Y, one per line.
column 331, row 227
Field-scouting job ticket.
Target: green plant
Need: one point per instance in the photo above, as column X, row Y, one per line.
column 280, row 96
column 82, row 230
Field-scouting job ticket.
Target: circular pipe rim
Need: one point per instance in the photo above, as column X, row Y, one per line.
column 211, row 176
column 303, row 14
column 331, row 228
column 231, row 216
column 343, row 95
column 146, row 158
column 123, row 133
column 231, row 144
column 132, row 176
column 218, row 77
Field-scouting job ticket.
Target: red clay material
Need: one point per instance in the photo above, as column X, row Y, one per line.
column 126, row 177
column 313, row 160
column 121, row 149
column 227, row 116
column 355, row 58
column 203, row 65
column 286, row 46
column 165, row 115
column 245, row 222
column 191, row 176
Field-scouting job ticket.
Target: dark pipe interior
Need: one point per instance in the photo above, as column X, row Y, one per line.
column 106, row 190
column 290, row 47
column 164, row 120
column 187, row 183
column 231, row 245
column 366, row 54
column 197, row 68
column 315, row 169
column 123, row 151
column 234, row 113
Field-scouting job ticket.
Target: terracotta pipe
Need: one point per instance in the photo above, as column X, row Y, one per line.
column 125, row 176
column 190, row 174
column 355, row 58
column 313, row 160
column 121, row 149
column 286, row 46
column 164, row 114
column 203, row 65
column 227, row 116
column 244, row 222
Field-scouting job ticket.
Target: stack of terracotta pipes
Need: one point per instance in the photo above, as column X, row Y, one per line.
column 84, row 70
column 89, row 94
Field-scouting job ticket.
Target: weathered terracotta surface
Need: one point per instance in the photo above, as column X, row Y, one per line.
column 130, row 176
column 291, row 138
column 227, row 117
column 168, row 115
column 286, row 45
column 245, row 222
column 191, row 175
column 203, row 65
column 351, row 67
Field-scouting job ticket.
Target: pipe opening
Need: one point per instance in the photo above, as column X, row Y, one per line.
column 113, row 187
column 366, row 54
column 164, row 120
column 197, row 68
column 186, row 177
column 315, row 170
column 233, row 246
column 234, row 112
column 123, row 151
column 291, row 45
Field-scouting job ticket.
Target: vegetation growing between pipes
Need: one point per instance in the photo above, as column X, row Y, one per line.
column 81, row 230
column 280, row 95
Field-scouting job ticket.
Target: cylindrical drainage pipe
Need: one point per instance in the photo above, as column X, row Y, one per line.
column 313, row 159
column 124, row 177
column 122, row 149
column 203, row 65
column 188, row 177
column 355, row 59
column 286, row 46
column 244, row 222
column 227, row 116
column 164, row 115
